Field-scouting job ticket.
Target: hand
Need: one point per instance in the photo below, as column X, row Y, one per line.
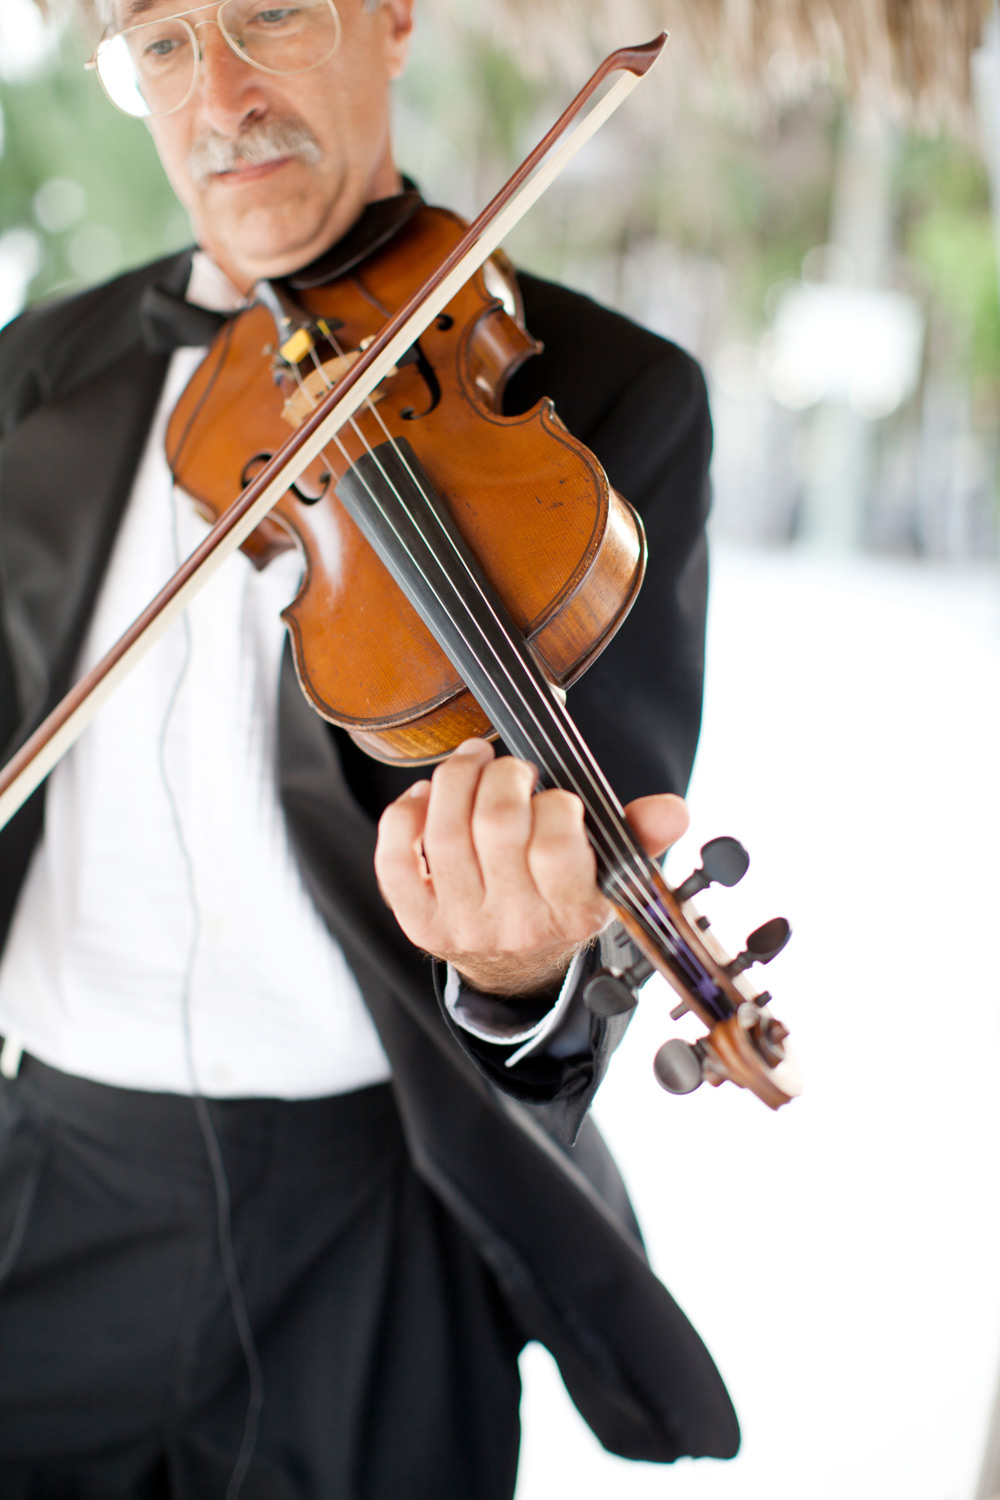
column 498, row 882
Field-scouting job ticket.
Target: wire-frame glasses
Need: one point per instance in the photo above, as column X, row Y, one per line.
column 152, row 68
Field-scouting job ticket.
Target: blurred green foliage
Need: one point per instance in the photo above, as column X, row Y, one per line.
column 59, row 128
column 947, row 231
column 82, row 188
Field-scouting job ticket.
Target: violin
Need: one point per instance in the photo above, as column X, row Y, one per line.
column 517, row 498
column 461, row 569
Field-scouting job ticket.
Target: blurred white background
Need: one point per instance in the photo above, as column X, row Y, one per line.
column 841, row 1257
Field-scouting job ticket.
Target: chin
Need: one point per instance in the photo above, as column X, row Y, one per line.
column 250, row 252
column 273, row 236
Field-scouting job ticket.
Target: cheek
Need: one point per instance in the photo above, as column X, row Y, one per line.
column 173, row 144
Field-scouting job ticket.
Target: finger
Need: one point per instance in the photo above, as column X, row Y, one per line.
column 447, row 833
column 399, row 864
column 501, row 830
column 659, row 821
column 564, row 867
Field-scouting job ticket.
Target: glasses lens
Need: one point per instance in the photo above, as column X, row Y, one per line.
column 281, row 38
column 148, row 70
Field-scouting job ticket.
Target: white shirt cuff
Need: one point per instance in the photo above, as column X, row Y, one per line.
column 533, row 1037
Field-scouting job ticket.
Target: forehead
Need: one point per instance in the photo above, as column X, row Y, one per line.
column 128, row 12
column 132, row 12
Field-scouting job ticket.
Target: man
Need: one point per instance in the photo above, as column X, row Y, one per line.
column 273, row 1220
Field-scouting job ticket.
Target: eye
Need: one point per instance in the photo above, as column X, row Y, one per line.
column 161, row 47
column 275, row 15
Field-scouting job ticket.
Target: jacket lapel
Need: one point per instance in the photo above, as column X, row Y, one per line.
column 65, row 475
column 64, row 482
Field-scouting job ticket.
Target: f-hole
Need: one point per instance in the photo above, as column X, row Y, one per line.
column 417, row 356
column 253, row 466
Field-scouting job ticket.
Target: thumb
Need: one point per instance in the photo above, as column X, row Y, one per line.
column 658, row 821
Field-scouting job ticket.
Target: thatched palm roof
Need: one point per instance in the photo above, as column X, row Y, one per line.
column 912, row 53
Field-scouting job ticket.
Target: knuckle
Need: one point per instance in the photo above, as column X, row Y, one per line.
column 446, row 840
column 391, row 816
column 561, row 804
column 445, row 770
column 389, row 867
column 520, row 771
column 565, row 852
column 508, row 779
column 499, row 823
column 559, row 820
column 386, row 842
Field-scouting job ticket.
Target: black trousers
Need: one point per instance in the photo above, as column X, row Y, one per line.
column 389, row 1363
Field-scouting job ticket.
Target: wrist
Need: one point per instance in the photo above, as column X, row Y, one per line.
column 507, row 977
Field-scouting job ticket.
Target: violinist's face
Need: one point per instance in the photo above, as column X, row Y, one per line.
column 325, row 135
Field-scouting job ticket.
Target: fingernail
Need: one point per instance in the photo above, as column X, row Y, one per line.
column 418, row 789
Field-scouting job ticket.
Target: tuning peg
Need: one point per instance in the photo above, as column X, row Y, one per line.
column 763, row 944
column 723, row 862
column 610, row 993
column 639, row 969
column 613, row 991
column 679, row 1067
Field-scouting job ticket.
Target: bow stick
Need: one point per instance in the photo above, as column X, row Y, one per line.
column 63, row 726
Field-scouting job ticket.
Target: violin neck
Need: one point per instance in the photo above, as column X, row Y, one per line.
column 393, row 502
column 395, row 506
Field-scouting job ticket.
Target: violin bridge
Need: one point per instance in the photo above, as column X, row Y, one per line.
column 311, row 389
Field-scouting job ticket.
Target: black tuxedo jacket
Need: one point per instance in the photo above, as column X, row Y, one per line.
column 77, row 390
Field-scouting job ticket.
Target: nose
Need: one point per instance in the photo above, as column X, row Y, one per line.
column 230, row 91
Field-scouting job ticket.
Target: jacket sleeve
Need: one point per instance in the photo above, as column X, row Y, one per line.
column 561, row 1079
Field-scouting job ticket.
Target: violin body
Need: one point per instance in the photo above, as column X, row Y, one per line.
column 564, row 552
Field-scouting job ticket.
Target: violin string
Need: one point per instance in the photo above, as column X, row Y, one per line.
column 625, row 852
column 633, row 883
column 562, row 723
column 567, row 774
column 647, row 913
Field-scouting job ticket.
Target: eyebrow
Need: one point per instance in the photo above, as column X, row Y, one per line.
column 139, row 8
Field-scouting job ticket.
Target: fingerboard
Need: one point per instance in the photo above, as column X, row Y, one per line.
column 391, row 499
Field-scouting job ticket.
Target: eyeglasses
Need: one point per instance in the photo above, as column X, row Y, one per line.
column 152, row 69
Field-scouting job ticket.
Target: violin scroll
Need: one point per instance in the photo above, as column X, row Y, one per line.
column 744, row 1043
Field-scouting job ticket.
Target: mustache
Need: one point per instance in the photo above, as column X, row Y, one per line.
column 262, row 141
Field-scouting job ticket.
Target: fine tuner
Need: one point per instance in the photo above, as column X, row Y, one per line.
column 741, row 1027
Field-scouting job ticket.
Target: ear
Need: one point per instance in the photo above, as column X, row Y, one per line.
column 397, row 19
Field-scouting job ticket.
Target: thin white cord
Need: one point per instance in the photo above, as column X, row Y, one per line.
column 213, row 1149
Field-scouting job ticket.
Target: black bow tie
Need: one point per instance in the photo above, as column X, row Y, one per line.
column 169, row 322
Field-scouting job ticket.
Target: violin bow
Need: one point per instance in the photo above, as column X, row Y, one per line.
column 62, row 727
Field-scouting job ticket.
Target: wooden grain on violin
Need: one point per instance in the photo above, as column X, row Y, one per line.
column 564, row 552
